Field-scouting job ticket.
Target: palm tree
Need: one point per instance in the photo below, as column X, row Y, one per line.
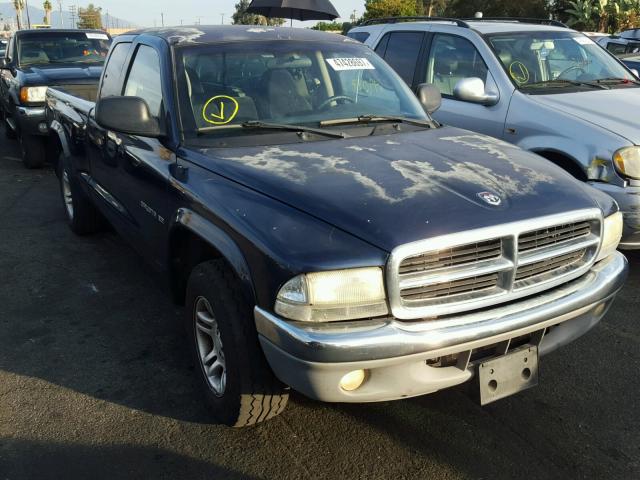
column 47, row 12
column 18, row 5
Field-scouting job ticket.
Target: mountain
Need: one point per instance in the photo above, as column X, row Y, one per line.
column 36, row 14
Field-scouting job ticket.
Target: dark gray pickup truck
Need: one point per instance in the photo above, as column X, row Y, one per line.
column 323, row 231
column 41, row 58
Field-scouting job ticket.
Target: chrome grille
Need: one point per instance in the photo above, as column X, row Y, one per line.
column 553, row 235
column 479, row 268
column 453, row 256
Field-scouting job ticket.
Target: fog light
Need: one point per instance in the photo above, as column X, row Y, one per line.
column 42, row 127
column 352, row 380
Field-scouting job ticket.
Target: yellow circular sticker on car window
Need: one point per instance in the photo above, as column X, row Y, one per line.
column 220, row 110
column 519, row 72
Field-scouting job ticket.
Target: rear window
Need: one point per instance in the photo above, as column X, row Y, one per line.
column 359, row 36
column 62, row 47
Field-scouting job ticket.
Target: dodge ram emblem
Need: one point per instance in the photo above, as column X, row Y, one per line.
column 490, row 198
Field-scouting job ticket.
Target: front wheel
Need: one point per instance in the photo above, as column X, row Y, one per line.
column 32, row 150
column 239, row 385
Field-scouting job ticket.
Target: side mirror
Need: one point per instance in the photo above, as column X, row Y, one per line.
column 127, row 115
column 429, row 97
column 472, row 90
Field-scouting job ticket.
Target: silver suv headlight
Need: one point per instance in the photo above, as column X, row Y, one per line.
column 333, row 296
column 627, row 162
column 611, row 235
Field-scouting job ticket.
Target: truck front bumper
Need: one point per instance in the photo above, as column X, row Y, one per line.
column 400, row 358
column 30, row 121
column 628, row 199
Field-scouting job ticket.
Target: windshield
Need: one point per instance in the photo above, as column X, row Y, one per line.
column 62, row 47
column 539, row 59
column 293, row 83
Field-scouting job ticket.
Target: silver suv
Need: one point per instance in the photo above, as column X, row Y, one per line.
column 537, row 84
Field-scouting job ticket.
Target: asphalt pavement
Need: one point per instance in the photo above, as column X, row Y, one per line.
column 96, row 383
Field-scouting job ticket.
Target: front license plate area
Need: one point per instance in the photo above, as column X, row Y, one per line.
column 508, row 374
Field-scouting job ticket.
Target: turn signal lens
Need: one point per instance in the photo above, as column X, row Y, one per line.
column 627, row 162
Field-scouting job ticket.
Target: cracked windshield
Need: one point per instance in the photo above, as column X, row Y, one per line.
column 235, row 89
column 557, row 60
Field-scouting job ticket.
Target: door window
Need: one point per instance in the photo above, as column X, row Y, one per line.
column 111, row 79
column 452, row 59
column 402, row 52
column 144, row 79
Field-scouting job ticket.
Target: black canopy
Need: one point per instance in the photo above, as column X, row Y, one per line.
column 294, row 9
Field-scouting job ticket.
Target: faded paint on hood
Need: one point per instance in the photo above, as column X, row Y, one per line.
column 394, row 189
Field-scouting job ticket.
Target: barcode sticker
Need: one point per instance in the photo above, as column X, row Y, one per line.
column 97, row 36
column 339, row 64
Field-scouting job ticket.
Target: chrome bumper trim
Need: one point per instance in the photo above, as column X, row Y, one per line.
column 31, row 111
column 385, row 338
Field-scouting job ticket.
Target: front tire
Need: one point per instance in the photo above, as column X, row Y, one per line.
column 239, row 385
column 83, row 218
column 32, row 151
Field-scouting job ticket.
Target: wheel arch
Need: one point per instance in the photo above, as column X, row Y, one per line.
column 193, row 240
column 564, row 161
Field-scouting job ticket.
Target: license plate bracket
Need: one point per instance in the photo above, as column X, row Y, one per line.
column 511, row 373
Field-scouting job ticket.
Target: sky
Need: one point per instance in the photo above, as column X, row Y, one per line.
column 147, row 12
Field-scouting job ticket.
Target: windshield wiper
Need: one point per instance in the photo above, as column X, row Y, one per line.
column 377, row 118
column 617, row 80
column 293, row 128
column 564, row 82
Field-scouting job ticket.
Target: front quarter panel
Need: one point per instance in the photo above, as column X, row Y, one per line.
column 539, row 128
column 276, row 240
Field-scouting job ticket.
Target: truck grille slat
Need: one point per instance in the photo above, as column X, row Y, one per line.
column 467, row 272
column 452, row 257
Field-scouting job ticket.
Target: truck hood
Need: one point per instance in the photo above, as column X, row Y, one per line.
column 61, row 74
column 394, row 189
column 612, row 110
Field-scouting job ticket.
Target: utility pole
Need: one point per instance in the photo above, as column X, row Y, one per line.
column 222, row 22
column 60, row 10
column 73, row 10
column 26, row 7
column 162, row 18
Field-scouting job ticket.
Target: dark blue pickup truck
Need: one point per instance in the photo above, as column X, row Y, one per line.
column 41, row 58
column 322, row 231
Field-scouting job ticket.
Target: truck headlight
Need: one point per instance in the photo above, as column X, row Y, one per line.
column 33, row 94
column 334, row 295
column 611, row 235
column 627, row 162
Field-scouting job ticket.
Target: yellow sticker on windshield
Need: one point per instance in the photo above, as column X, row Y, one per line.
column 519, row 72
column 220, row 110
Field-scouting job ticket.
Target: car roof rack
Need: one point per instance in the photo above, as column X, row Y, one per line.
column 537, row 21
column 375, row 21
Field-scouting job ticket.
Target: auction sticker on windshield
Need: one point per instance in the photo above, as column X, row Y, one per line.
column 97, row 36
column 339, row 64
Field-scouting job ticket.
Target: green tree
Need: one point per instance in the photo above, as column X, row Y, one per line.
column 90, row 17
column 328, row 26
column 392, row 8
column 241, row 17
column 47, row 12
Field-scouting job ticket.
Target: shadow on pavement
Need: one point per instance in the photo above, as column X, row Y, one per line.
column 55, row 461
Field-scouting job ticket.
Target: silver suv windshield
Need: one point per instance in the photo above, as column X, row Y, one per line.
column 555, row 59
column 231, row 88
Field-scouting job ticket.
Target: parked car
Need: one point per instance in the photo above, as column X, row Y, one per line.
column 37, row 59
column 619, row 45
column 322, row 231
column 541, row 86
column 631, row 60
